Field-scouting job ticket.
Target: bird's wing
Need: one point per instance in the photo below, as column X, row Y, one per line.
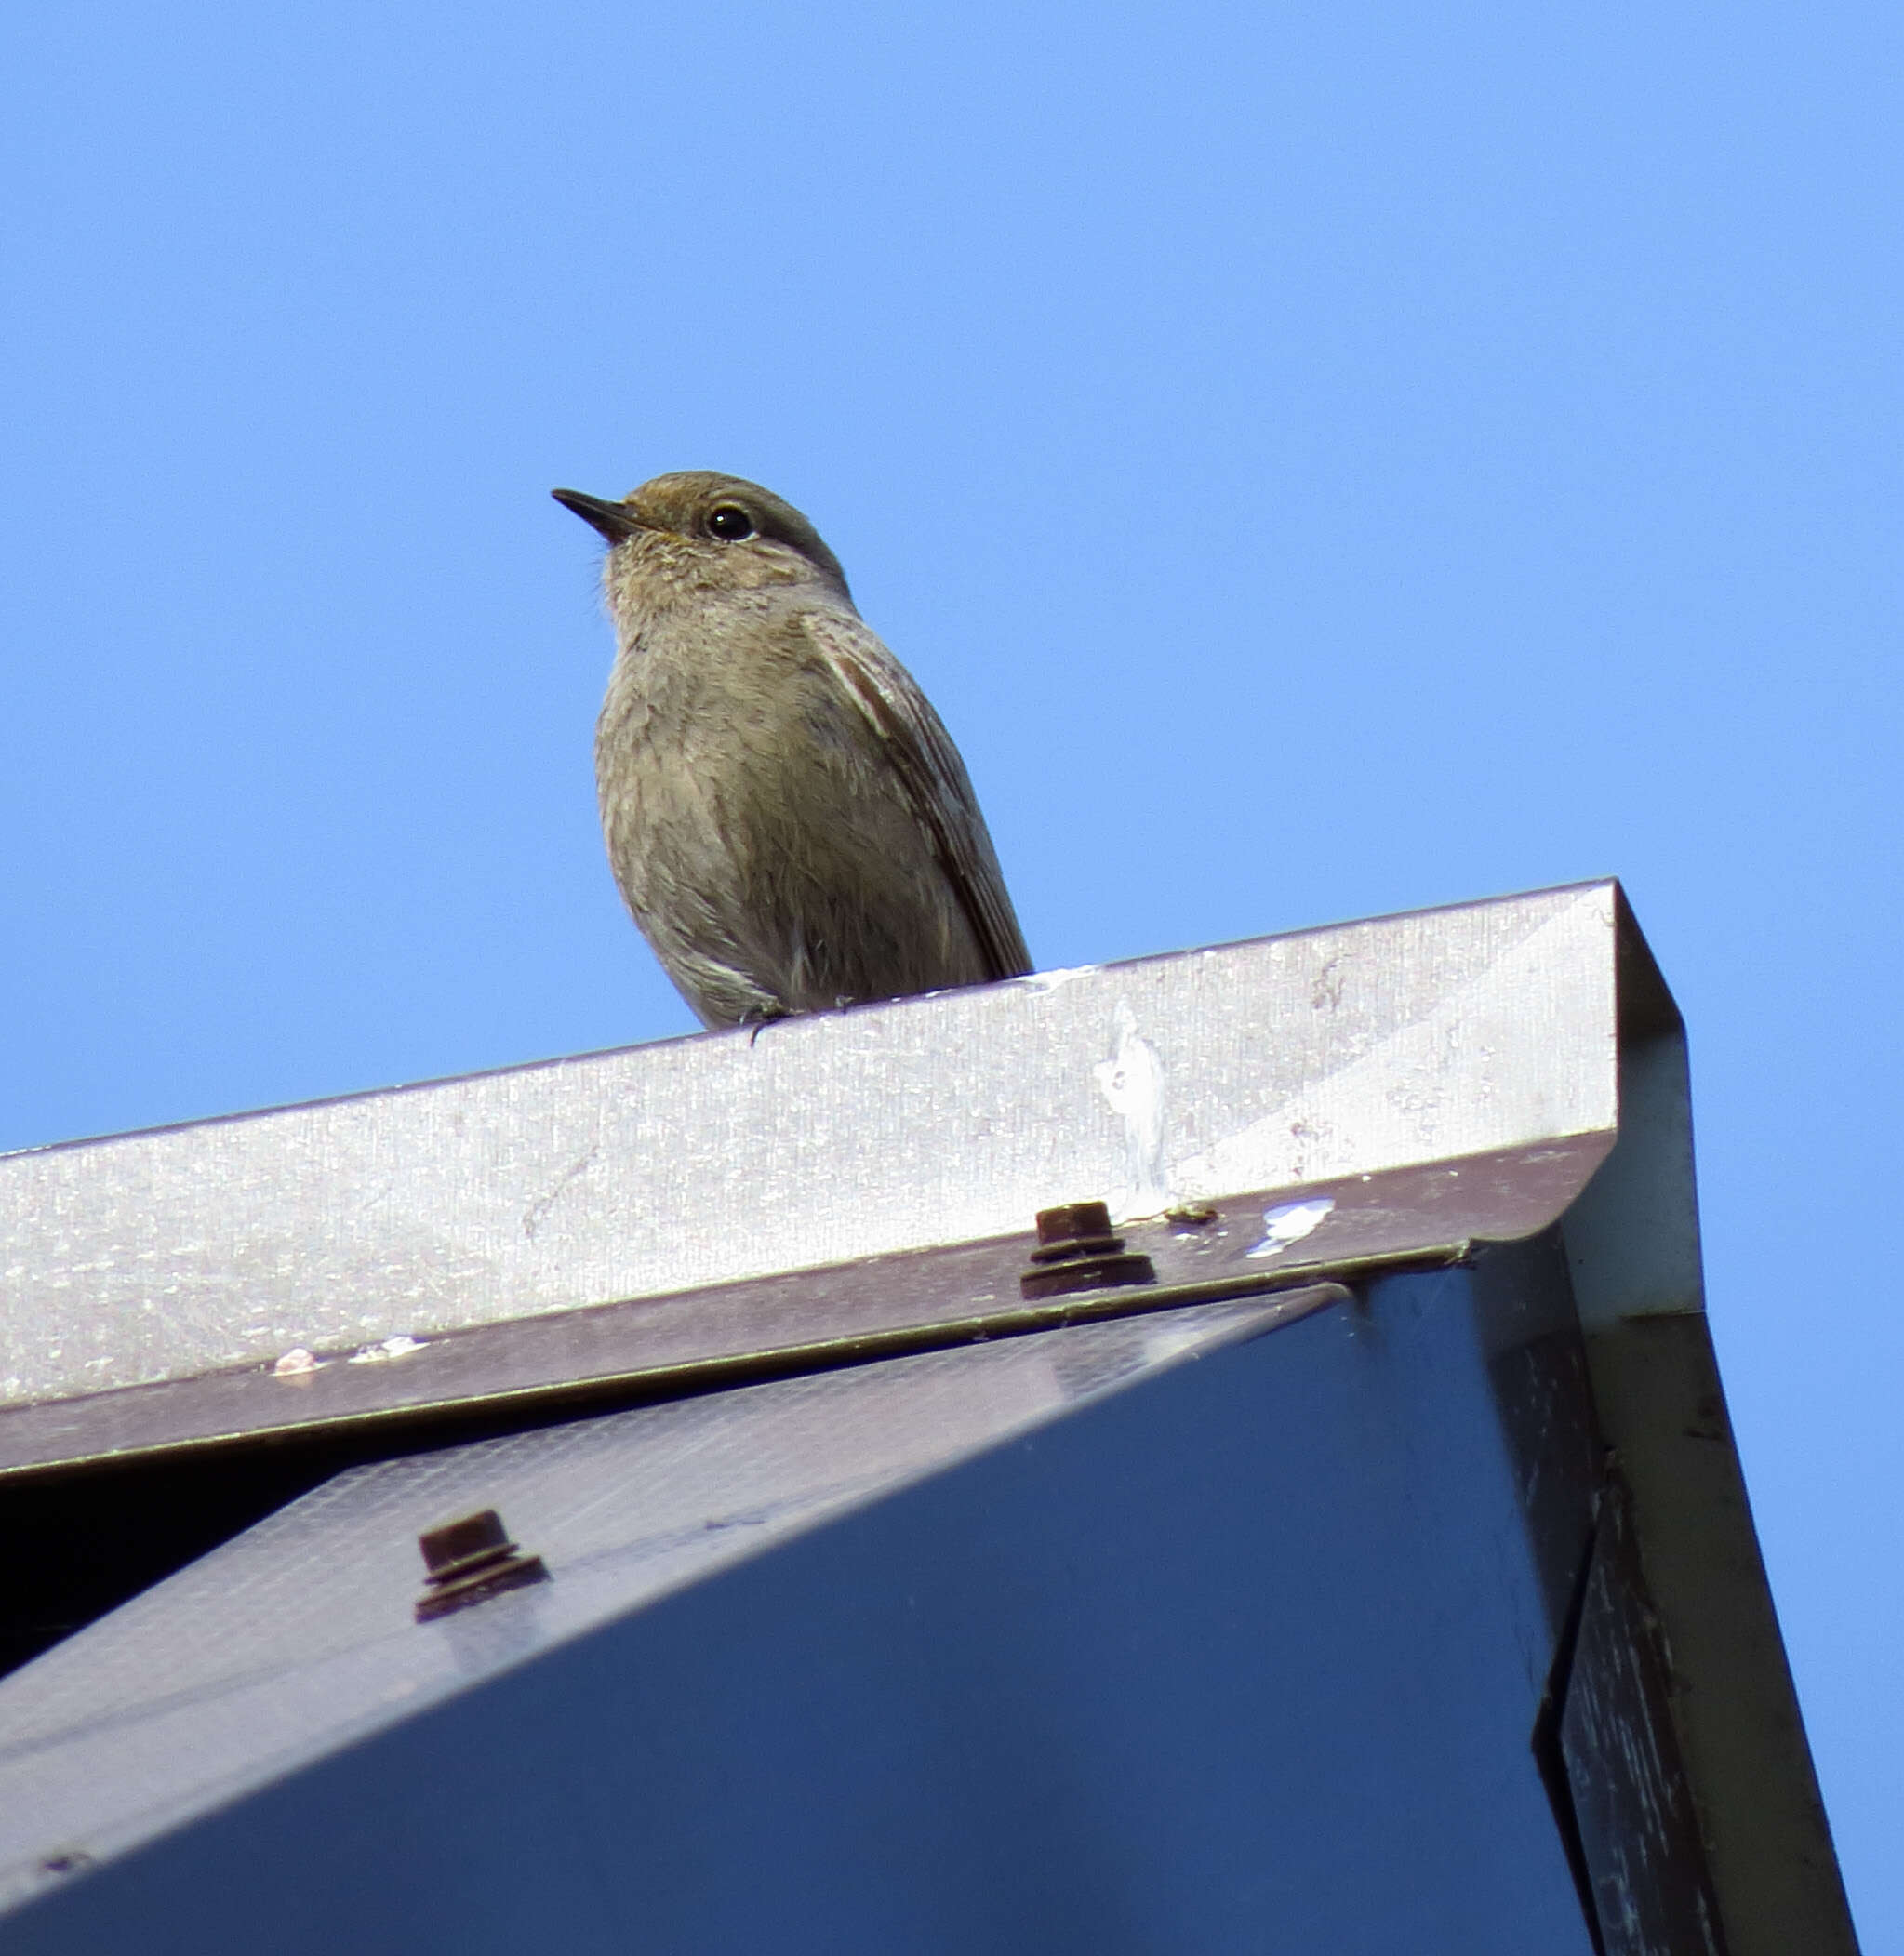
column 934, row 777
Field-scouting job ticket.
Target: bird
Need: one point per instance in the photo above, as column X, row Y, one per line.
column 785, row 815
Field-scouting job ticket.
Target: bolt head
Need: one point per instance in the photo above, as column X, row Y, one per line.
column 474, row 1535
column 1074, row 1222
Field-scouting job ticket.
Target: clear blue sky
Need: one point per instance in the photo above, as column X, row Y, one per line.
column 1321, row 461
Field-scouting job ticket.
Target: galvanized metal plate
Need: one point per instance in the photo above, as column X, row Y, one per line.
column 711, row 1160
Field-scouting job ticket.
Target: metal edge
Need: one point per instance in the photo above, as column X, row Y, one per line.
column 1582, row 888
column 1634, row 1245
column 1321, row 1284
column 642, row 1342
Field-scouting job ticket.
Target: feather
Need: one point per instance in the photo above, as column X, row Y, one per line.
column 932, row 775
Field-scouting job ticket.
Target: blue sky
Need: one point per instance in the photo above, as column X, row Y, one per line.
column 1321, row 461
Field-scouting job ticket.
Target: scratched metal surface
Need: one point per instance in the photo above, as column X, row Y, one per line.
column 712, row 1160
column 1638, row 1822
column 297, row 1637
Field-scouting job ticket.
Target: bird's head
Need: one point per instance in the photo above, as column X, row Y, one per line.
column 696, row 533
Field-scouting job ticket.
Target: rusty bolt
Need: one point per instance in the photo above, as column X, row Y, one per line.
column 1077, row 1251
column 470, row 1561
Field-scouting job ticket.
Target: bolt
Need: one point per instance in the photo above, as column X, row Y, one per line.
column 470, row 1561
column 1077, row 1251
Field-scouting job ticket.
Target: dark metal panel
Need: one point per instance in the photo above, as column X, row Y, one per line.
column 1632, row 1808
column 1243, row 1652
column 146, row 1716
column 1536, row 1369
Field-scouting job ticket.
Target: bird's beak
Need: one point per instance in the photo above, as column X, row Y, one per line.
column 615, row 520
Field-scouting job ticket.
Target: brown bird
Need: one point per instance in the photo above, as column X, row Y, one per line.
column 786, row 816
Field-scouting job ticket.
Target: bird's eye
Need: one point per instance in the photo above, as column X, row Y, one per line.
column 729, row 522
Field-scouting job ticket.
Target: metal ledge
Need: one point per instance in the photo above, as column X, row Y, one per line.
column 1316, row 1058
